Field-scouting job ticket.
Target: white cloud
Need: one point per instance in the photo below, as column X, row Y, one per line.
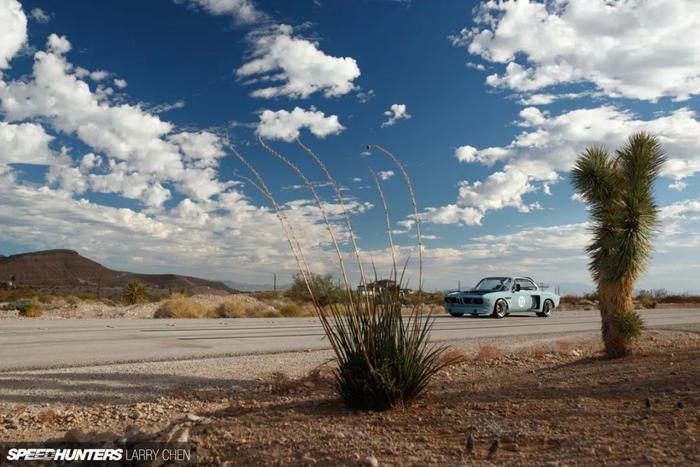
column 550, row 144
column 625, row 48
column 24, row 143
column 678, row 185
column 285, row 125
column 40, row 16
column 385, row 174
column 365, row 96
column 243, row 11
column 13, row 30
column 452, row 214
column 143, row 149
column 395, row 113
column 120, row 83
column 297, row 64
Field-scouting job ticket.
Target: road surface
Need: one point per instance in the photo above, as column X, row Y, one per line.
column 34, row 344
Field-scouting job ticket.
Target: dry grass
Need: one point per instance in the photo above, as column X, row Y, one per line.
column 30, row 310
column 489, row 352
column 179, row 306
column 319, row 377
column 236, row 308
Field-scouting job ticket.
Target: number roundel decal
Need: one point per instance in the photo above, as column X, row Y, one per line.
column 521, row 301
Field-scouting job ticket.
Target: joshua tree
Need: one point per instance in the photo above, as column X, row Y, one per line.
column 620, row 193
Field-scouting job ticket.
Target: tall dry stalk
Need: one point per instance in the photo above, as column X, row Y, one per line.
column 288, row 227
column 415, row 210
column 339, row 197
column 324, row 214
column 388, row 222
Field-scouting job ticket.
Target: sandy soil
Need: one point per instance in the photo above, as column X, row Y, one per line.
column 547, row 402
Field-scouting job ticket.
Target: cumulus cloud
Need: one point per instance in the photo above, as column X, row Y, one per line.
column 624, row 48
column 39, row 15
column 285, row 125
column 13, row 30
column 242, row 11
column 143, row 149
column 395, row 113
column 385, row 174
column 24, row 143
column 297, row 66
column 549, row 145
column 120, row 83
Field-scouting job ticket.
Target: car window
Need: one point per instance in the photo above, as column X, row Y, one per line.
column 526, row 284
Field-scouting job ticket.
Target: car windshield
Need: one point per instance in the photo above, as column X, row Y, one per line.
column 493, row 283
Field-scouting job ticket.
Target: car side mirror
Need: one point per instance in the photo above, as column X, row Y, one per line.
column 517, row 287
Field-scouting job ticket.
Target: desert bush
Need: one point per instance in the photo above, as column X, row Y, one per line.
column 134, row 292
column 29, row 309
column 324, row 288
column 232, row 309
column 292, row 310
column 179, row 306
column 647, row 302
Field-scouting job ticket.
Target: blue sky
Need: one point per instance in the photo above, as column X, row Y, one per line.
column 117, row 122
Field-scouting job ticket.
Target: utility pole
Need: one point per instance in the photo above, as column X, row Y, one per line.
column 274, row 282
column 459, row 286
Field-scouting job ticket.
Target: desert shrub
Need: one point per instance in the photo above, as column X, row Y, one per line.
column 179, row 306
column 134, row 292
column 232, row 309
column 325, row 289
column 291, row 310
column 384, row 358
column 29, row 310
column 647, row 302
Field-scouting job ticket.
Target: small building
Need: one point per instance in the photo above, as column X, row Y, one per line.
column 379, row 286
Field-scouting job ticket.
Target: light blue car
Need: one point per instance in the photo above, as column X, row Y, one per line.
column 500, row 296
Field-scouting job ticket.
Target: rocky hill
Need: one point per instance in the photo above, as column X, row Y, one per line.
column 57, row 270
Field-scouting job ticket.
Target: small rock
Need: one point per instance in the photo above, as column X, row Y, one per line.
column 679, row 404
column 647, row 403
column 371, row 461
column 308, row 460
column 190, row 417
column 606, row 449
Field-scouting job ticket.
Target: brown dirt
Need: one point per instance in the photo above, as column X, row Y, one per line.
column 551, row 404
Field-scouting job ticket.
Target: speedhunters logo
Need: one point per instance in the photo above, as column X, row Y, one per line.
column 151, row 454
column 65, row 454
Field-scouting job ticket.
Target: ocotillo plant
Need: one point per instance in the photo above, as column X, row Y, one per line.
column 383, row 355
column 620, row 193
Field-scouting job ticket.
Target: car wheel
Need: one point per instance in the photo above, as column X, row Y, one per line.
column 456, row 315
column 500, row 309
column 547, row 308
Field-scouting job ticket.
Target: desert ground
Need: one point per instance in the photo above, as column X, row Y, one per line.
column 527, row 400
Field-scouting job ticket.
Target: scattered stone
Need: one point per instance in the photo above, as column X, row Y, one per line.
column 606, row 449
column 679, row 404
column 190, row 417
column 647, row 403
column 371, row 461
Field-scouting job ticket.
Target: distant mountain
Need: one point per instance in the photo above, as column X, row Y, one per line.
column 243, row 287
column 66, row 269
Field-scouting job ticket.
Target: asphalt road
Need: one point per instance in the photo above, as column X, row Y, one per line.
column 34, row 344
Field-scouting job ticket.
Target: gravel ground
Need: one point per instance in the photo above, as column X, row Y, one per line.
column 548, row 400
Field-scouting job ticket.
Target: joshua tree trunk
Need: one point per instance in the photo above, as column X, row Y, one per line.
column 616, row 309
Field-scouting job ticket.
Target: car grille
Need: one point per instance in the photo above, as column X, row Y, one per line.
column 464, row 300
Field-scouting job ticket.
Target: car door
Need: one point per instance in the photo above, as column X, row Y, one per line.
column 522, row 295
